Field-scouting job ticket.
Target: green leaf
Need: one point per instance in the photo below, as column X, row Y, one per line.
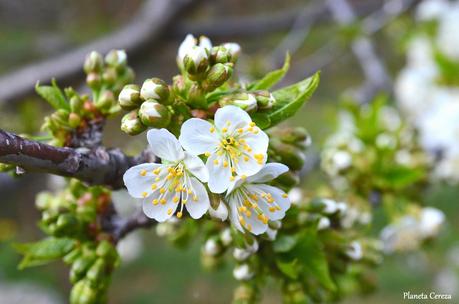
column 44, row 251
column 53, row 95
column 289, row 268
column 310, row 253
column 290, row 99
column 271, row 78
column 285, row 243
column 261, row 119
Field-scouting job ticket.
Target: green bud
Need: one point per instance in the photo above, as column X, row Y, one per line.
column 131, row 124
column 105, row 100
column 96, row 272
column 48, row 217
column 156, row 89
column 66, row 224
column 6, row 167
column 93, row 62
column 109, row 76
column 72, row 256
column 289, row 155
column 195, row 61
column 116, row 58
column 179, row 85
column 74, row 120
column 265, row 100
column 245, row 101
column 218, row 75
column 43, row 200
column 219, row 54
column 93, row 80
column 234, row 49
column 76, row 187
column 196, row 97
column 76, row 104
column 59, row 119
column 154, row 114
column 129, row 97
column 106, row 250
column 80, row 266
column 83, row 293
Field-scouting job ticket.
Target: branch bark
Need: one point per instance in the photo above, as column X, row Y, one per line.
column 97, row 166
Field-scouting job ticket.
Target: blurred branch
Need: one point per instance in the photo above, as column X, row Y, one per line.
column 153, row 17
column 120, row 227
column 97, row 166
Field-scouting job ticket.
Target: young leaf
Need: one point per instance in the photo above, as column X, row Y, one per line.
column 271, row 78
column 44, row 251
column 261, row 119
column 290, row 99
column 289, row 268
column 53, row 95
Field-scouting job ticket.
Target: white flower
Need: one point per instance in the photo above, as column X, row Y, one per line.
column 243, row 273
column 431, row 9
column 226, row 237
column 233, row 48
column 447, row 39
column 252, row 203
column 355, row 251
column 211, row 247
column 233, row 145
column 193, row 45
column 176, row 182
column 430, row 221
column 324, row 223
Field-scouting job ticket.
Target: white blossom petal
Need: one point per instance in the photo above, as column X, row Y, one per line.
column 138, row 179
column 275, row 204
column 219, row 175
column 268, row 173
column 234, row 214
column 157, row 210
column 164, row 145
column 196, row 167
column 198, row 205
column 196, row 136
column 185, row 47
column 237, row 117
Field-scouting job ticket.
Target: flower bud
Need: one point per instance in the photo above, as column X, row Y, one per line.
column 242, row 272
column 245, row 101
column 195, row 61
column 218, row 75
column 355, row 251
column 105, row 100
column 265, row 100
column 93, row 80
column 221, row 212
column 226, row 237
column 131, row 124
column 241, row 254
column 219, row 54
column 93, row 62
column 129, row 97
column 116, row 58
column 96, row 272
column 109, row 76
column 234, row 49
column 83, row 293
column 211, row 247
column 179, row 85
column 196, row 97
column 74, row 120
column 76, row 104
column 156, row 89
column 288, row 154
column 154, row 114
column 324, row 223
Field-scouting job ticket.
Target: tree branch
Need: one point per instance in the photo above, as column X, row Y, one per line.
column 97, row 166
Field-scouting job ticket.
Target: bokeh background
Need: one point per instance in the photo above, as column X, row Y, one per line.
column 153, row 272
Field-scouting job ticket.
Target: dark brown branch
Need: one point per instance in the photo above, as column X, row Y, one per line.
column 146, row 26
column 120, row 227
column 98, row 166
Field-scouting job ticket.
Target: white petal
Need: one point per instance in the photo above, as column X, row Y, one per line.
column 159, row 212
column 219, row 176
column 205, row 42
column 196, row 166
column 248, row 166
column 185, row 47
column 268, row 173
column 257, row 227
column 236, row 183
column 138, row 179
column 277, row 195
column 197, row 208
column 164, row 145
column 237, row 118
column 196, row 138
column 233, row 202
column 257, row 141
column 259, row 144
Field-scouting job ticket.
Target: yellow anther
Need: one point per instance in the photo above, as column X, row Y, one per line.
column 212, row 129
column 250, row 129
column 157, row 171
column 243, row 176
column 249, row 227
column 163, row 201
column 242, row 141
column 240, row 130
column 184, row 201
column 143, row 172
column 284, row 195
column 195, row 198
column 224, row 130
column 179, row 214
column 220, row 153
column 189, row 191
column 216, row 162
column 248, row 213
column 258, row 156
column 246, row 158
column 169, row 211
column 278, row 207
column 162, row 190
column 157, row 179
column 241, row 220
column 255, row 131
column 252, row 124
column 207, row 154
column 231, row 178
column 153, row 186
column 170, row 176
column 144, row 194
column 175, row 199
column 233, row 169
column 155, row 202
column 225, row 164
column 272, row 209
column 178, row 189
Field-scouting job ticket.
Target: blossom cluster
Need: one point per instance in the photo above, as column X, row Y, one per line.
column 235, row 152
column 427, row 89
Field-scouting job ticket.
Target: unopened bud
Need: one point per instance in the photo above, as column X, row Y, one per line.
column 234, row 49
column 221, row 212
column 355, row 251
column 245, row 101
column 289, row 155
column 196, row 97
column 109, row 76
column 129, row 97
column 93, row 62
column 265, row 100
column 131, row 124
column 219, row 54
column 74, row 120
column 218, row 75
column 76, row 104
column 211, row 247
column 93, row 80
column 226, row 237
column 97, row 271
column 105, row 100
column 241, row 254
column 156, row 89
column 179, row 85
column 242, row 272
column 154, row 114
column 116, row 58
column 195, row 61
column 324, row 223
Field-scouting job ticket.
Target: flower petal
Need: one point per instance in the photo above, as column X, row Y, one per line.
column 196, row 136
column 255, row 225
column 196, row 167
column 219, row 176
column 236, row 117
column 279, row 198
column 268, row 173
column 185, row 47
column 233, row 202
column 164, row 145
column 236, row 183
column 138, row 179
column 198, row 205
column 157, row 210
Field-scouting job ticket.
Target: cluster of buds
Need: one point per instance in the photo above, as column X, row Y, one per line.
column 288, row 145
column 75, row 214
column 148, row 106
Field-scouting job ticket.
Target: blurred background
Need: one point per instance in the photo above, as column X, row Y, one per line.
column 49, row 31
